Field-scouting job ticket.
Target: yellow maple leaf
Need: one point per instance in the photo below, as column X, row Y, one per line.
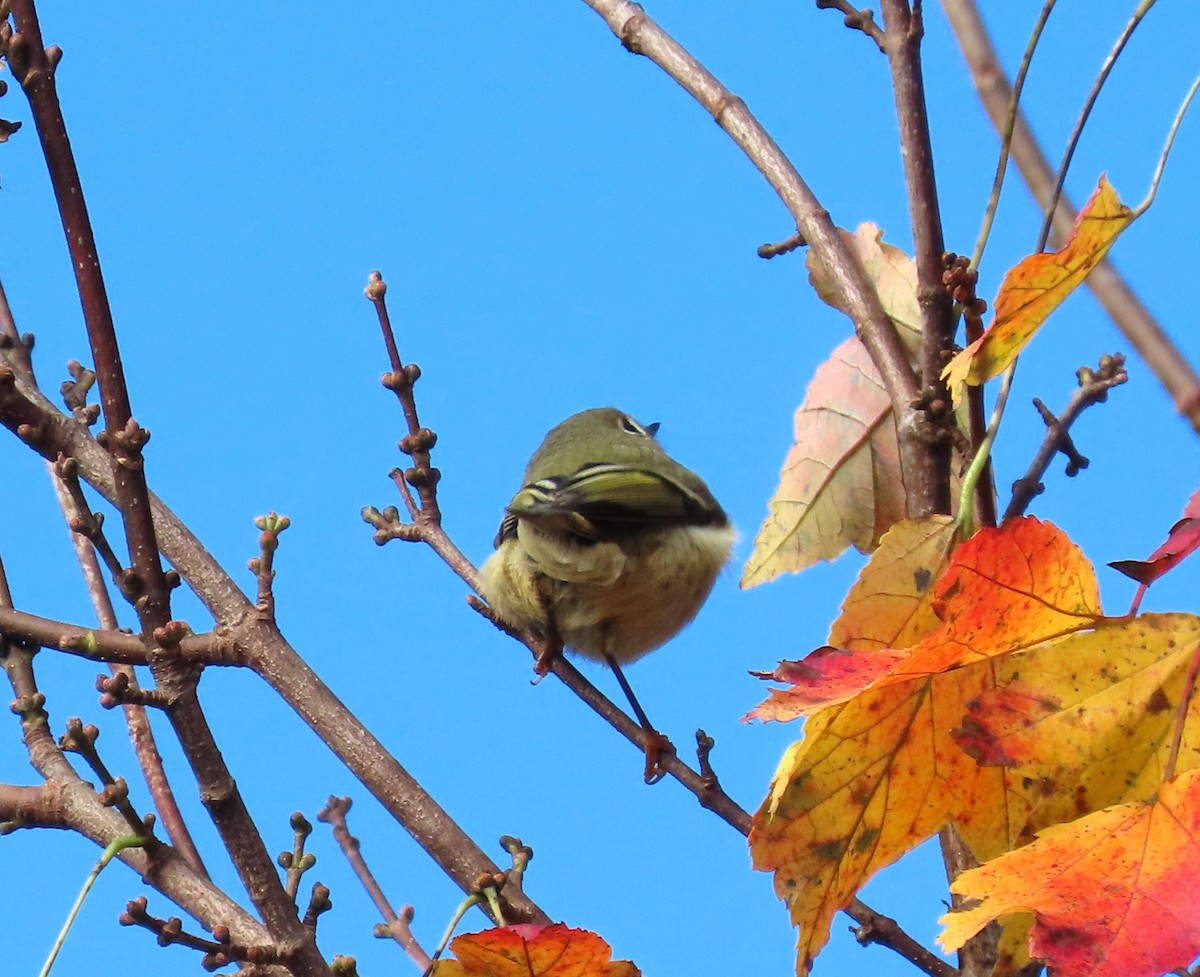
column 1036, row 286
column 879, row 769
column 1096, row 713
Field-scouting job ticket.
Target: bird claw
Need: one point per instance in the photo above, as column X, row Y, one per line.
column 550, row 652
column 657, row 747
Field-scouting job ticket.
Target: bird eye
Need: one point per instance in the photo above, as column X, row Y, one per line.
column 633, row 427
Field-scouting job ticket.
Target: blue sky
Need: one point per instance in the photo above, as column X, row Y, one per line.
column 561, row 227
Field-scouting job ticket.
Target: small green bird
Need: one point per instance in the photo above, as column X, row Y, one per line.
column 611, row 541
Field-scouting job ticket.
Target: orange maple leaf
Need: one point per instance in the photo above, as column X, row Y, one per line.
column 533, row 951
column 878, row 770
column 1113, row 893
column 1006, row 590
column 1037, row 286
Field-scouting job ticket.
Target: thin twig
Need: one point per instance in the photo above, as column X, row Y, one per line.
column 395, row 924
column 874, row 927
column 785, row 246
column 1110, row 62
column 857, row 20
column 107, row 646
column 1007, row 132
column 111, row 852
column 1094, row 386
column 420, row 440
column 137, row 720
column 1166, row 152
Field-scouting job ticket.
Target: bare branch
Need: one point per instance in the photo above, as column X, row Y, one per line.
column 106, row 646
column 857, row 20
column 1094, row 386
column 875, row 927
column 904, row 33
column 23, row 408
column 395, row 924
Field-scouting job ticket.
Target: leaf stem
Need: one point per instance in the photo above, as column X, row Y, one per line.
column 114, row 848
column 1110, row 62
column 1162, row 160
column 1006, row 134
column 1189, row 689
column 966, row 495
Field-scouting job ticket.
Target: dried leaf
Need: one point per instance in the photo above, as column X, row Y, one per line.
column 890, row 270
column 841, row 483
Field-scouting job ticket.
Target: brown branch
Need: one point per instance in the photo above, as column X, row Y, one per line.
column 70, row 802
column 874, row 927
column 904, row 32
column 137, row 721
column 709, row 795
column 1094, row 386
column 33, row 66
column 641, row 35
column 218, row 952
column 31, row 807
column 420, row 440
column 81, row 740
column 786, row 246
column 1124, row 307
column 395, row 924
column 857, row 20
column 267, row 653
column 34, row 69
column 107, row 646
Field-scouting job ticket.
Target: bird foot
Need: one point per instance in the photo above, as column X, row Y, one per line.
column 658, row 747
